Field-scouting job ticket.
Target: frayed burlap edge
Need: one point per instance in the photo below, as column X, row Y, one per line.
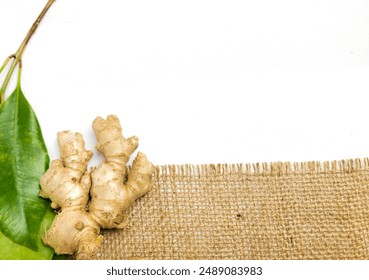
column 282, row 210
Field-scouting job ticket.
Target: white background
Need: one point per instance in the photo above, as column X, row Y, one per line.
column 271, row 270
column 201, row 81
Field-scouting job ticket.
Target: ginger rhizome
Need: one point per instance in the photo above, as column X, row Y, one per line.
column 90, row 201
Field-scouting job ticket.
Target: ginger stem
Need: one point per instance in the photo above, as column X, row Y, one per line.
column 17, row 57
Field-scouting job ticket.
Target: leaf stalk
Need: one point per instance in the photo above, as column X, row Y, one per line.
column 17, row 57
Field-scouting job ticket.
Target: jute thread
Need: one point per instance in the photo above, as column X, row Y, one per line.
column 282, row 210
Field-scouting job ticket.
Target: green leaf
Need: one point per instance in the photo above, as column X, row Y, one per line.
column 23, row 160
column 12, row 251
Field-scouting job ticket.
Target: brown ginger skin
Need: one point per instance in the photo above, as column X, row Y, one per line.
column 107, row 207
column 76, row 229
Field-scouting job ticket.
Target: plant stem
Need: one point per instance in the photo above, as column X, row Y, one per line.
column 17, row 57
column 6, row 62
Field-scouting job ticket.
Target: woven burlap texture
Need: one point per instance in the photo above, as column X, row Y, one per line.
column 306, row 210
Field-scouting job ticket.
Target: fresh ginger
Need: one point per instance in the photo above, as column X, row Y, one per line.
column 90, row 201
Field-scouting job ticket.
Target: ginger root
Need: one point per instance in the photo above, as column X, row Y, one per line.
column 90, row 201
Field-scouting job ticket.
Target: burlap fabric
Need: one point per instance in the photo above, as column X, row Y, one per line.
column 254, row 211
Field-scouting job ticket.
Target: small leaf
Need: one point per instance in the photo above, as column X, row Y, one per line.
column 23, row 160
